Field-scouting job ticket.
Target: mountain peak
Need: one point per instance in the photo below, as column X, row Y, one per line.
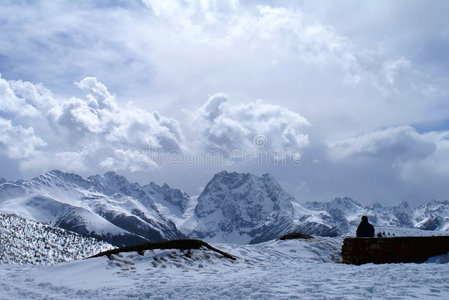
column 119, row 183
column 111, row 175
column 244, row 205
column 63, row 177
column 346, row 201
column 226, row 174
column 60, row 174
column 104, row 206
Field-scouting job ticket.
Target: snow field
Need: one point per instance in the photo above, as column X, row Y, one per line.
column 294, row 269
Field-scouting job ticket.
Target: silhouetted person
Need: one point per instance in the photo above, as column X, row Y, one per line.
column 365, row 229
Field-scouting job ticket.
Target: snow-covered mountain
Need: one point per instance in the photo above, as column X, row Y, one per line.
column 173, row 202
column 24, row 241
column 345, row 213
column 243, row 208
column 107, row 207
column 233, row 207
column 433, row 215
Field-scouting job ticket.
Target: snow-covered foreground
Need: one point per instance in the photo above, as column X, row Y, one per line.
column 291, row 269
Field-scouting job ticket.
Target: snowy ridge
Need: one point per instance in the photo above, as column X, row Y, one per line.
column 28, row 242
column 106, row 207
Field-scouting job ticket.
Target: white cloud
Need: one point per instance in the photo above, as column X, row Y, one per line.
column 100, row 116
column 18, row 142
column 251, row 126
column 288, row 34
column 80, row 133
column 206, row 21
column 129, row 160
column 12, row 103
column 73, row 161
column 20, row 104
column 396, row 143
column 393, row 164
column 34, row 94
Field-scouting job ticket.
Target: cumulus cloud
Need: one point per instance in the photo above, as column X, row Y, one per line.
column 20, row 104
column 127, row 131
column 12, row 103
column 250, row 126
column 95, row 130
column 99, row 115
column 35, row 95
column 18, row 142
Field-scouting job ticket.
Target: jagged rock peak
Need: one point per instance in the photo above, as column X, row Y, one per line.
column 168, row 194
column 244, row 205
column 112, row 177
column 345, row 202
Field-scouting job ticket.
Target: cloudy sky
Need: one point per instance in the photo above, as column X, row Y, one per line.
column 333, row 98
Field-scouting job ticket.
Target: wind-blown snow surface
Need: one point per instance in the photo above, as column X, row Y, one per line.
column 293, row 269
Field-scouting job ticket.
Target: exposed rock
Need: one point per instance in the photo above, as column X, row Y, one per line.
column 296, row 236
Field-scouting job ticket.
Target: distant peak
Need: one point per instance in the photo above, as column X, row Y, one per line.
column 225, row 174
column 267, row 176
column 434, row 202
column 63, row 174
column 57, row 172
column 347, row 201
column 113, row 175
column 403, row 204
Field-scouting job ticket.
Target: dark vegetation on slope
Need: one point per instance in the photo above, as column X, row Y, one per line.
column 184, row 244
column 296, row 236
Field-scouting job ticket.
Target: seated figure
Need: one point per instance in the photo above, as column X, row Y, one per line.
column 365, row 229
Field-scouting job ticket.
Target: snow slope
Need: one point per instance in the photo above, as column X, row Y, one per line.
column 107, row 207
column 293, row 269
column 24, row 241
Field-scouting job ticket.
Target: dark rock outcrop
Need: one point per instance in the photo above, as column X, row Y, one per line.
column 296, row 236
column 186, row 244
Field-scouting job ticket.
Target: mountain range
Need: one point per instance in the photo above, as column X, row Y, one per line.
column 233, row 207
